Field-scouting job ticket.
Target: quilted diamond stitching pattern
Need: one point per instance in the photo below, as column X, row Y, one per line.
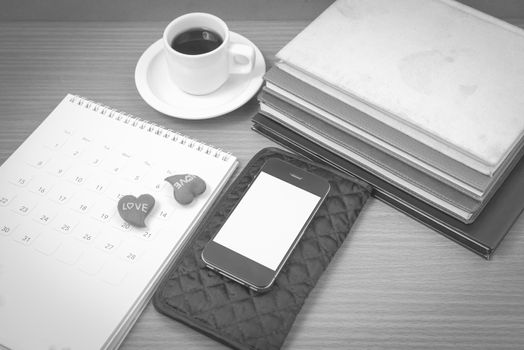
column 236, row 315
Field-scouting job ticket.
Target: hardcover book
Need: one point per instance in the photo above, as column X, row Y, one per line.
column 353, row 121
column 375, row 161
column 449, row 76
column 482, row 236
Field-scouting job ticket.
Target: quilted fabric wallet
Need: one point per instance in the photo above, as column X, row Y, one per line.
column 232, row 313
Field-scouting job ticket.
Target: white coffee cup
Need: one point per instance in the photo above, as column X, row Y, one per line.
column 204, row 73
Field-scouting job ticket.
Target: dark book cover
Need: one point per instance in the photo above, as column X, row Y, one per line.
column 482, row 236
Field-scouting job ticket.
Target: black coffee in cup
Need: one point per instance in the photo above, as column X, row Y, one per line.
column 196, row 41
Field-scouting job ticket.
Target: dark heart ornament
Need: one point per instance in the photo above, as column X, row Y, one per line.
column 186, row 187
column 135, row 210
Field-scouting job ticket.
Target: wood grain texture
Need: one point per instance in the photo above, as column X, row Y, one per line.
column 164, row 10
column 394, row 284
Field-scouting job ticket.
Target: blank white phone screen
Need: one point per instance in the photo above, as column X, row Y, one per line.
column 267, row 220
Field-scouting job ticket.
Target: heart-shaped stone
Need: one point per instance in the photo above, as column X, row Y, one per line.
column 135, row 210
column 186, row 187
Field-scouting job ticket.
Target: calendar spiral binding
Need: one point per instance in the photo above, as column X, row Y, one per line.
column 148, row 126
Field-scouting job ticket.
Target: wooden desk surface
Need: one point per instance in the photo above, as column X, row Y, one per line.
column 394, row 284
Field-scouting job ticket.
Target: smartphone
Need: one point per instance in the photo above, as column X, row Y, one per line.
column 260, row 233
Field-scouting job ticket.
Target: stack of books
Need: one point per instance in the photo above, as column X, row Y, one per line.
column 423, row 99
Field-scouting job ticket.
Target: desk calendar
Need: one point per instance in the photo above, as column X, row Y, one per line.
column 68, row 262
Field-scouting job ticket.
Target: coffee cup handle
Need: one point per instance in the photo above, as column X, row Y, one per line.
column 241, row 58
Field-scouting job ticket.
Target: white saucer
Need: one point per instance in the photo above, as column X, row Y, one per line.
column 157, row 89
